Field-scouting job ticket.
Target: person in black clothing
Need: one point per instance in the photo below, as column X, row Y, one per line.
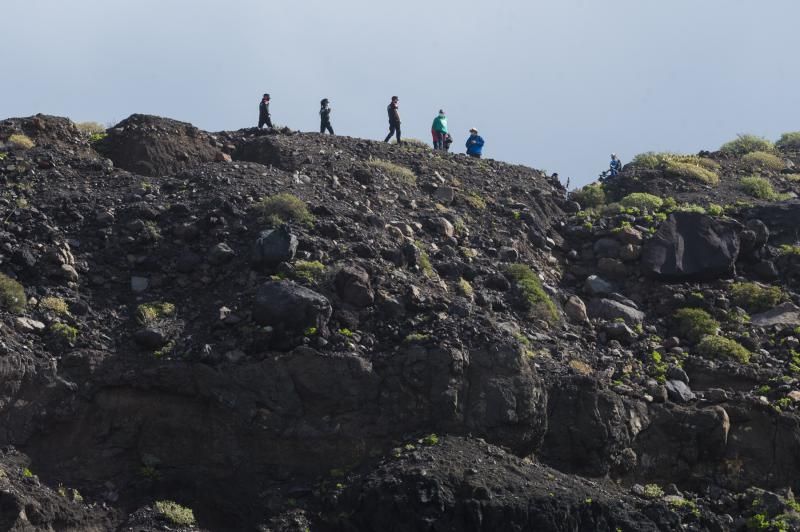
column 325, row 117
column 263, row 113
column 394, row 120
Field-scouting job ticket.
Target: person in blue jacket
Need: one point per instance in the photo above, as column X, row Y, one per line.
column 474, row 144
column 615, row 166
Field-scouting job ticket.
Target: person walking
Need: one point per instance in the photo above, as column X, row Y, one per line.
column 615, row 166
column 474, row 144
column 439, row 130
column 325, row 117
column 394, row 120
column 263, row 113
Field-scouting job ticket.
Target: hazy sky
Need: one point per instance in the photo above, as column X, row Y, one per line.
column 555, row 84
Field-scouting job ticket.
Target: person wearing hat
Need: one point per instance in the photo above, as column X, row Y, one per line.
column 615, row 166
column 325, row 117
column 474, row 144
column 263, row 113
column 439, row 130
column 394, row 119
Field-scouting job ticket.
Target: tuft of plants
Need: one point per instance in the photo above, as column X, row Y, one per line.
column 12, row 295
column 653, row 491
column 424, row 260
column 762, row 160
column 311, row 271
column 691, row 170
column 642, row 201
column 744, row 144
column 20, row 141
column 789, row 141
column 724, row 348
column 590, row 196
column 54, row 304
column 393, row 171
column 284, row 207
column 787, row 249
column 149, row 313
column 430, row 439
column 464, row 288
column 414, row 143
column 475, row 200
column 694, row 323
column 416, row 338
column 758, row 187
column 94, row 131
column 755, row 297
column 535, row 299
column 175, row 513
column 64, row 332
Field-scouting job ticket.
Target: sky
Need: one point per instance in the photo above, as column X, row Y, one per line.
column 557, row 84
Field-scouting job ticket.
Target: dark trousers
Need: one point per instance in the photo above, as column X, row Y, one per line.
column 393, row 129
column 326, row 126
column 264, row 120
column 476, row 155
column 438, row 140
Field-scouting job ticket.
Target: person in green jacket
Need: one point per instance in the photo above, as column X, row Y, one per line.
column 439, row 130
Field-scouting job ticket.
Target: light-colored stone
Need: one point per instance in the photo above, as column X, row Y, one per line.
column 139, row 284
column 29, row 325
column 575, row 309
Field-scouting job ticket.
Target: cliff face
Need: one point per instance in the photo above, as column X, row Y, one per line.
column 288, row 331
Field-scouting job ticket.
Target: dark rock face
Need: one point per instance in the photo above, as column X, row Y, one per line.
column 353, row 285
column 289, row 305
column 274, row 246
column 691, row 246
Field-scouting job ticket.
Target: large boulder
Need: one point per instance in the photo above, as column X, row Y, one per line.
column 274, row 246
column 690, row 246
column 291, row 306
column 786, row 314
column 353, row 286
column 608, row 309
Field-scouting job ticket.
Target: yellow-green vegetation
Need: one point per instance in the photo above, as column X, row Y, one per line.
column 475, row 200
column 691, row 207
column 430, row 439
column 284, row 207
column 690, row 170
column 720, row 347
column 424, row 260
column 64, row 332
column 22, row 142
column 789, row 141
column 346, row 332
column 148, row 313
column 311, row 271
column 754, row 297
column 414, row 143
column 580, row 367
column 715, row 210
column 762, row 160
column 535, row 298
column 464, row 288
column 658, row 367
column 393, row 171
column 653, row 491
column 590, row 196
column 3, row 156
column 694, row 323
column 758, row 187
column 416, row 338
column 642, row 201
column 93, row 130
column 12, row 294
column 792, row 177
column 54, row 304
column 787, row 249
column 676, row 164
column 747, row 144
column 175, row 513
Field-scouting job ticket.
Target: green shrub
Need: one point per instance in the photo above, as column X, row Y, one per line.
column 475, row 200
column 690, row 170
column 653, row 491
column 91, row 128
column 54, row 304
column 393, row 171
column 22, row 142
column 642, row 201
column 64, row 332
column 536, row 299
column 787, row 249
column 590, row 196
column 148, row 313
column 758, row 187
column 424, row 260
column 415, row 338
column 691, row 207
column 761, row 160
column 12, row 295
column 715, row 210
column 721, row 347
column 694, row 323
column 284, row 207
column 311, row 271
column 754, row 297
column 175, row 513
column 746, row 144
column 464, row 288
column 789, row 141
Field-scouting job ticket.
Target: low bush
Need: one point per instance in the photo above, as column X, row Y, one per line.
column 715, row 210
column 284, row 207
column 148, row 313
column 12, row 295
column 22, row 142
column 589, row 196
column 761, row 160
column 694, row 323
column 64, row 332
column 789, row 141
column 54, row 304
column 464, row 288
column 721, row 347
column 393, row 171
column 424, row 260
column 175, row 513
column 746, row 144
column 758, row 187
column 311, row 271
column 475, row 200
column 642, row 201
column 534, row 297
column 91, row 128
column 754, row 297
column 694, row 171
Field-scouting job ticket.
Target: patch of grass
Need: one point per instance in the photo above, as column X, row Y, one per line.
column 653, row 491
column 589, row 196
column 580, row 367
column 642, row 201
column 536, row 299
column 311, row 271
column 715, row 210
column 792, row 177
column 787, row 249
column 148, row 313
column 346, row 332
column 430, row 439
column 175, row 513
column 694, row 323
column 475, row 200
column 94, row 131
column 284, row 207
column 54, row 304
column 758, row 187
column 691, row 170
column 720, row 347
column 761, row 160
column 424, row 260
column 658, row 368
column 464, row 288
column 12, row 295
column 21, row 142
column 754, row 297
column 413, row 143
column 393, row 171
column 691, row 207
column 789, row 141
column 744, row 144
column 3, row 156
column 64, row 332
column 416, row 338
